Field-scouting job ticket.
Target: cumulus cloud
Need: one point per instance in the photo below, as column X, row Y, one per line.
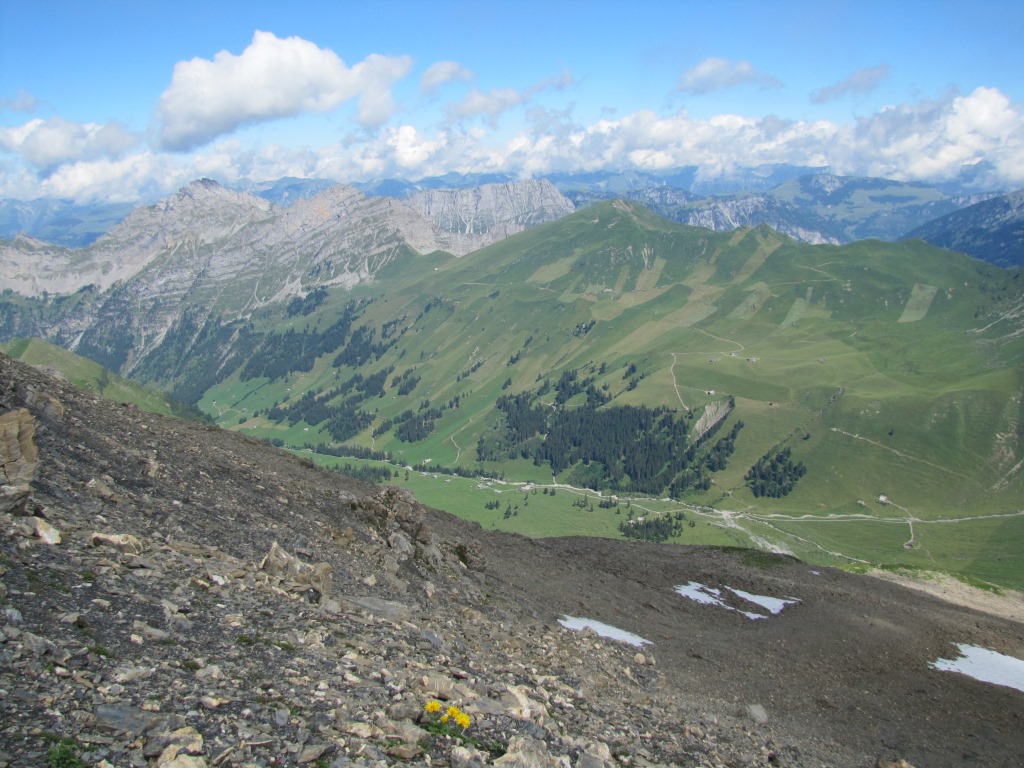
column 47, row 144
column 499, row 100
column 442, row 72
column 271, row 78
column 862, row 81
column 936, row 140
column 140, row 176
column 714, row 74
column 928, row 140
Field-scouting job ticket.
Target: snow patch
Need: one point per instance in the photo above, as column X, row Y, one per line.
column 602, row 629
column 705, row 595
column 773, row 605
column 984, row 665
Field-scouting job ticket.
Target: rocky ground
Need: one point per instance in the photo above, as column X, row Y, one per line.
column 174, row 595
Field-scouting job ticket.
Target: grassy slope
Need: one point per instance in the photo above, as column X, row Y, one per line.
column 88, row 375
column 901, row 362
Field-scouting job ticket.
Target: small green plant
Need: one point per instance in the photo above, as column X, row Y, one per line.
column 100, row 650
column 63, row 756
column 191, row 664
column 284, row 645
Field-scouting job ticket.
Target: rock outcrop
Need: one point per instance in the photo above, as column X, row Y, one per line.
column 18, row 459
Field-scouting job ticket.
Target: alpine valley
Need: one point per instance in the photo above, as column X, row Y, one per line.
column 601, row 370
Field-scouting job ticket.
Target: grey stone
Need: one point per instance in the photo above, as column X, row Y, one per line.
column 387, row 609
column 527, row 752
column 757, row 713
column 124, row 717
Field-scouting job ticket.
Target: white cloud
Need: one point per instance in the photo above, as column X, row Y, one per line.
column 714, row 74
column 935, row 140
column 142, row 176
column 442, row 72
column 490, row 104
column 47, row 144
column 499, row 100
column 929, row 140
column 271, row 78
column 862, row 81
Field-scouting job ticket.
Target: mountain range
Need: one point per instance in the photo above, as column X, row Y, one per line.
column 756, row 385
column 808, row 204
column 821, row 208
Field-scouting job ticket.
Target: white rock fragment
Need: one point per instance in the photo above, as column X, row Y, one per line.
column 47, row 532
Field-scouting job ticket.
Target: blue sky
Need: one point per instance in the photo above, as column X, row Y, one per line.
column 131, row 100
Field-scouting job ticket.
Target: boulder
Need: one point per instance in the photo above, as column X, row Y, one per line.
column 48, row 406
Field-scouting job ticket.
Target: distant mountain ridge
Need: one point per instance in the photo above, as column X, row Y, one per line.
column 60, row 222
column 992, row 230
column 819, row 208
column 809, row 204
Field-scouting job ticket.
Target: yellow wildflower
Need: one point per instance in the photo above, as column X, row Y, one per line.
column 432, row 706
column 452, row 712
column 462, row 720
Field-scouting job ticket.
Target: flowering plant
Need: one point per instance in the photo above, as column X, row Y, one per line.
column 446, row 724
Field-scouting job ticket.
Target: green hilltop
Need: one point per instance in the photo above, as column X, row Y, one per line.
column 848, row 404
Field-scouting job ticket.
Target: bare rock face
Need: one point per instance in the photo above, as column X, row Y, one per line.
column 18, row 455
column 18, row 459
column 469, row 219
column 204, row 211
column 751, row 211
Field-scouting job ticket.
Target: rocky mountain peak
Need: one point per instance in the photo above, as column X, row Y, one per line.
column 27, row 241
column 205, row 192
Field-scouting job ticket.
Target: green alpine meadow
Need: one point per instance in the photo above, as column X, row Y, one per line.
column 614, row 373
